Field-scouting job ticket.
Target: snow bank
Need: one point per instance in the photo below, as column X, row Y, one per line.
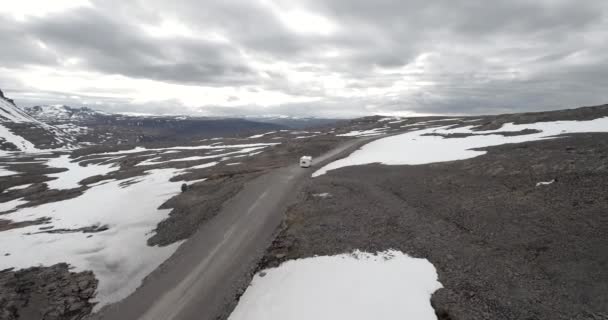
column 389, row 285
column 413, row 148
column 119, row 256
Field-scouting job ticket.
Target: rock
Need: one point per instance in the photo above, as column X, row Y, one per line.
column 54, row 291
column 83, row 284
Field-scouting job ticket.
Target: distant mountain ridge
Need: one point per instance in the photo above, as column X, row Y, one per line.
column 64, row 113
column 99, row 127
column 297, row 122
column 59, row 113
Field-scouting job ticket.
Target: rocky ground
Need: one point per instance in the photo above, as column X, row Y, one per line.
column 504, row 248
column 29, row 288
column 203, row 200
column 46, row 293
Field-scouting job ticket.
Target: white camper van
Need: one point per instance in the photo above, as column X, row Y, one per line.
column 305, row 161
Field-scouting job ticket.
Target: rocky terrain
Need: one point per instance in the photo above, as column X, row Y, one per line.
column 218, row 169
column 19, row 131
column 516, row 233
column 94, row 127
column 64, row 127
column 52, row 292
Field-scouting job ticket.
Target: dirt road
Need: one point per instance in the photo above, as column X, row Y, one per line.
column 200, row 281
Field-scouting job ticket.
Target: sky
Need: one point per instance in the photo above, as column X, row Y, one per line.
column 324, row 58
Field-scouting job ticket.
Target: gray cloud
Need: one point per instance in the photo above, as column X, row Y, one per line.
column 454, row 57
column 105, row 42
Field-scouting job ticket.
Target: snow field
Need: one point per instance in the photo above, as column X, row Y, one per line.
column 125, row 210
column 119, row 256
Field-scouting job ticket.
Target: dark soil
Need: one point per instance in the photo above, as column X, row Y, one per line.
column 46, row 293
column 503, row 247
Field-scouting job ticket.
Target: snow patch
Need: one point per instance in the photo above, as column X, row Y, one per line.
column 194, row 158
column 76, row 173
column 205, row 165
column 358, row 286
column 545, row 183
column 18, row 141
column 261, row 135
column 6, row 172
column 19, row 187
column 11, row 205
column 321, row 195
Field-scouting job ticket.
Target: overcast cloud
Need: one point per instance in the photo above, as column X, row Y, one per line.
column 332, row 58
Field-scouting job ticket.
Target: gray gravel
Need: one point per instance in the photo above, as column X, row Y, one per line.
column 46, row 293
column 503, row 247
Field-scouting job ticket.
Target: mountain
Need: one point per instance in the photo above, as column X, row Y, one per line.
column 63, row 113
column 93, row 126
column 296, row 122
column 19, row 131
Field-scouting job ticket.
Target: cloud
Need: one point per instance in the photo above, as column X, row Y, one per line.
column 330, row 58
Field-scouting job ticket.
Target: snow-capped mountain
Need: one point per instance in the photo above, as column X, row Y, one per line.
column 63, row 113
column 9, row 112
column 19, row 131
column 97, row 127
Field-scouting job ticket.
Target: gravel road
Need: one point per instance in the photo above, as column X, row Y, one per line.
column 201, row 280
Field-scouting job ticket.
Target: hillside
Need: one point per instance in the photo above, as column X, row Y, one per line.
column 97, row 127
column 19, row 131
column 63, row 113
